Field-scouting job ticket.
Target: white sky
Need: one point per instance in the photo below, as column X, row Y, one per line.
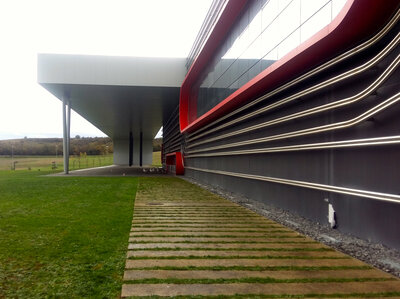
column 148, row 28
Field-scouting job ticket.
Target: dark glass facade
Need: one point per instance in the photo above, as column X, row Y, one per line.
column 265, row 32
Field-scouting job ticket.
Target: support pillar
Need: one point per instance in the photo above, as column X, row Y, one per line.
column 141, row 150
column 66, row 132
column 130, row 149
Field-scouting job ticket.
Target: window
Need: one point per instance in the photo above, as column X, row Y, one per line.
column 265, row 32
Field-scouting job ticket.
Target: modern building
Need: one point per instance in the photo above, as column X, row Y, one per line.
column 293, row 103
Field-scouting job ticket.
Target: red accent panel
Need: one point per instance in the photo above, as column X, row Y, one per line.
column 228, row 17
column 176, row 159
column 357, row 20
column 192, row 114
column 162, row 153
column 180, row 169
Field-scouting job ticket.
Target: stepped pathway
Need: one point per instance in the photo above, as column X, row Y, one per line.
column 186, row 241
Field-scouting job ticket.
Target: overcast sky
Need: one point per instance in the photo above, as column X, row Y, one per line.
column 147, row 28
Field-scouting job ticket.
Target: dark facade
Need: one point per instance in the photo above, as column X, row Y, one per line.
column 301, row 128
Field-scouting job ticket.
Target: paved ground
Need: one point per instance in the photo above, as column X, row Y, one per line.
column 115, row 170
column 186, row 241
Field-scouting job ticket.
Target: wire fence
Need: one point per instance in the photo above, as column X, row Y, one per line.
column 53, row 163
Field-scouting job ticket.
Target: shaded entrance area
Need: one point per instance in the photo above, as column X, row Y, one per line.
column 127, row 98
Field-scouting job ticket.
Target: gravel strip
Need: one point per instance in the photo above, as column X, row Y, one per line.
column 377, row 255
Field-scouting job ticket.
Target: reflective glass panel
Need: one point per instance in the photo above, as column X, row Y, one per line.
column 265, row 31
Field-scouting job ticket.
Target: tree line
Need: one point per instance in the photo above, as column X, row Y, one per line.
column 54, row 146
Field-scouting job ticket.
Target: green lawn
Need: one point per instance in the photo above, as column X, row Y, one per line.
column 75, row 162
column 157, row 159
column 63, row 236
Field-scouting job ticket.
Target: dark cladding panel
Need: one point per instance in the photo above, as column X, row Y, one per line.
column 332, row 137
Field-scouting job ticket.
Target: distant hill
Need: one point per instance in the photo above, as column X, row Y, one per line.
column 49, row 146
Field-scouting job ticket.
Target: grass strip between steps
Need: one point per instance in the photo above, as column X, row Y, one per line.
column 215, row 231
column 212, row 236
column 198, row 217
column 222, row 242
column 169, row 213
column 251, row 280
column 323, row 249
column 254, row 268
column 199, row 222
column 210, row 226
column 218, row 257
column 261, row 296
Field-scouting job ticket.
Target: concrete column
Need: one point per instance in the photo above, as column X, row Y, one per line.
column 66, row 132
column 136, row 149
column 64, row 114
column 141, row 150
column 121, row 151
column 147, row 153
column 130, row 149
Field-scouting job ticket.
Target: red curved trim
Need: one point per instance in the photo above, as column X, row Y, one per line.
column 228, row 17
column 180, row 169
column 357, row 20
column 176, row 159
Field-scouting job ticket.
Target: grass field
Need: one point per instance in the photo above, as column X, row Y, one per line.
column 63, row 236
column 46, row 162
column 157, row 159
